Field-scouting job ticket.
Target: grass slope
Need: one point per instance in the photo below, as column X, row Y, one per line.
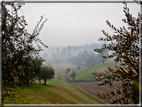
column 55, row 92
column 86, row 73
column 59, row 91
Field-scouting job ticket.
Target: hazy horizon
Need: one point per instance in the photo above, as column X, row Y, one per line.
column 72, row 24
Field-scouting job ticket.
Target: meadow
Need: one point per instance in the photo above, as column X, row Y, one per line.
column 55, row 92
column 60, row 91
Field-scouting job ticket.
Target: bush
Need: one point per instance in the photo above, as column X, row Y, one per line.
column 73, row 74
column 68, row 70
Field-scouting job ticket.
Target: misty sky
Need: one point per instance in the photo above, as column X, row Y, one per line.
column 75, row 23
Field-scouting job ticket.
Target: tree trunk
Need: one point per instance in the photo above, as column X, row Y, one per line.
column 44, row 82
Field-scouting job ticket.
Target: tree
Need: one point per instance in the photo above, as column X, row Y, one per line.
column 47, row 73
column 17, row 48
column 37, row 63
column 68, row 70
column 73, row 74
column 125, row 46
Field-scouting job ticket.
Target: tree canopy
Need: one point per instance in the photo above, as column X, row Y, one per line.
column 17, row 48
column 47, row 73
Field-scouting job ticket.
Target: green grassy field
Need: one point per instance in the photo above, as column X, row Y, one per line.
column 55, row 92
column 59, row 91
column 86, row 73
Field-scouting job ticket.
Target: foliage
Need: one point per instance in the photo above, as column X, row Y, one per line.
column 47, row 73
column 17, row 50
column 78, row 55
column 37, row 63
column 73, row 74
column 103, row 52
column 68, row 70
column 125, row 46
column 85, row 58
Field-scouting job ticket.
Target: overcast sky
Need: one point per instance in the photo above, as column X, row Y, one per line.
column 75, row 23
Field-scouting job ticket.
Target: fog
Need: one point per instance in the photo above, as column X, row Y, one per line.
column 83, row 55
column 71, row 26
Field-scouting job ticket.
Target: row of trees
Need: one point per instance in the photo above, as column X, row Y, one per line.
column 70, row 54
column 88, row 58
column 125, row 46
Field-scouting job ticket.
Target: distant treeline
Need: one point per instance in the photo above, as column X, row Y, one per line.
column 82, row 55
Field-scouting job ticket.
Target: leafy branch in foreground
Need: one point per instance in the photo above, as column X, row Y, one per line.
column 125, row 46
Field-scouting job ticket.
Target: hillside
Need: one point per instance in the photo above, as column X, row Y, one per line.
column 61, row 91
column 55, row 92
column 86, row 73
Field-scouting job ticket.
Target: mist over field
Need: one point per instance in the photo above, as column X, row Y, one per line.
column 82, row 55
